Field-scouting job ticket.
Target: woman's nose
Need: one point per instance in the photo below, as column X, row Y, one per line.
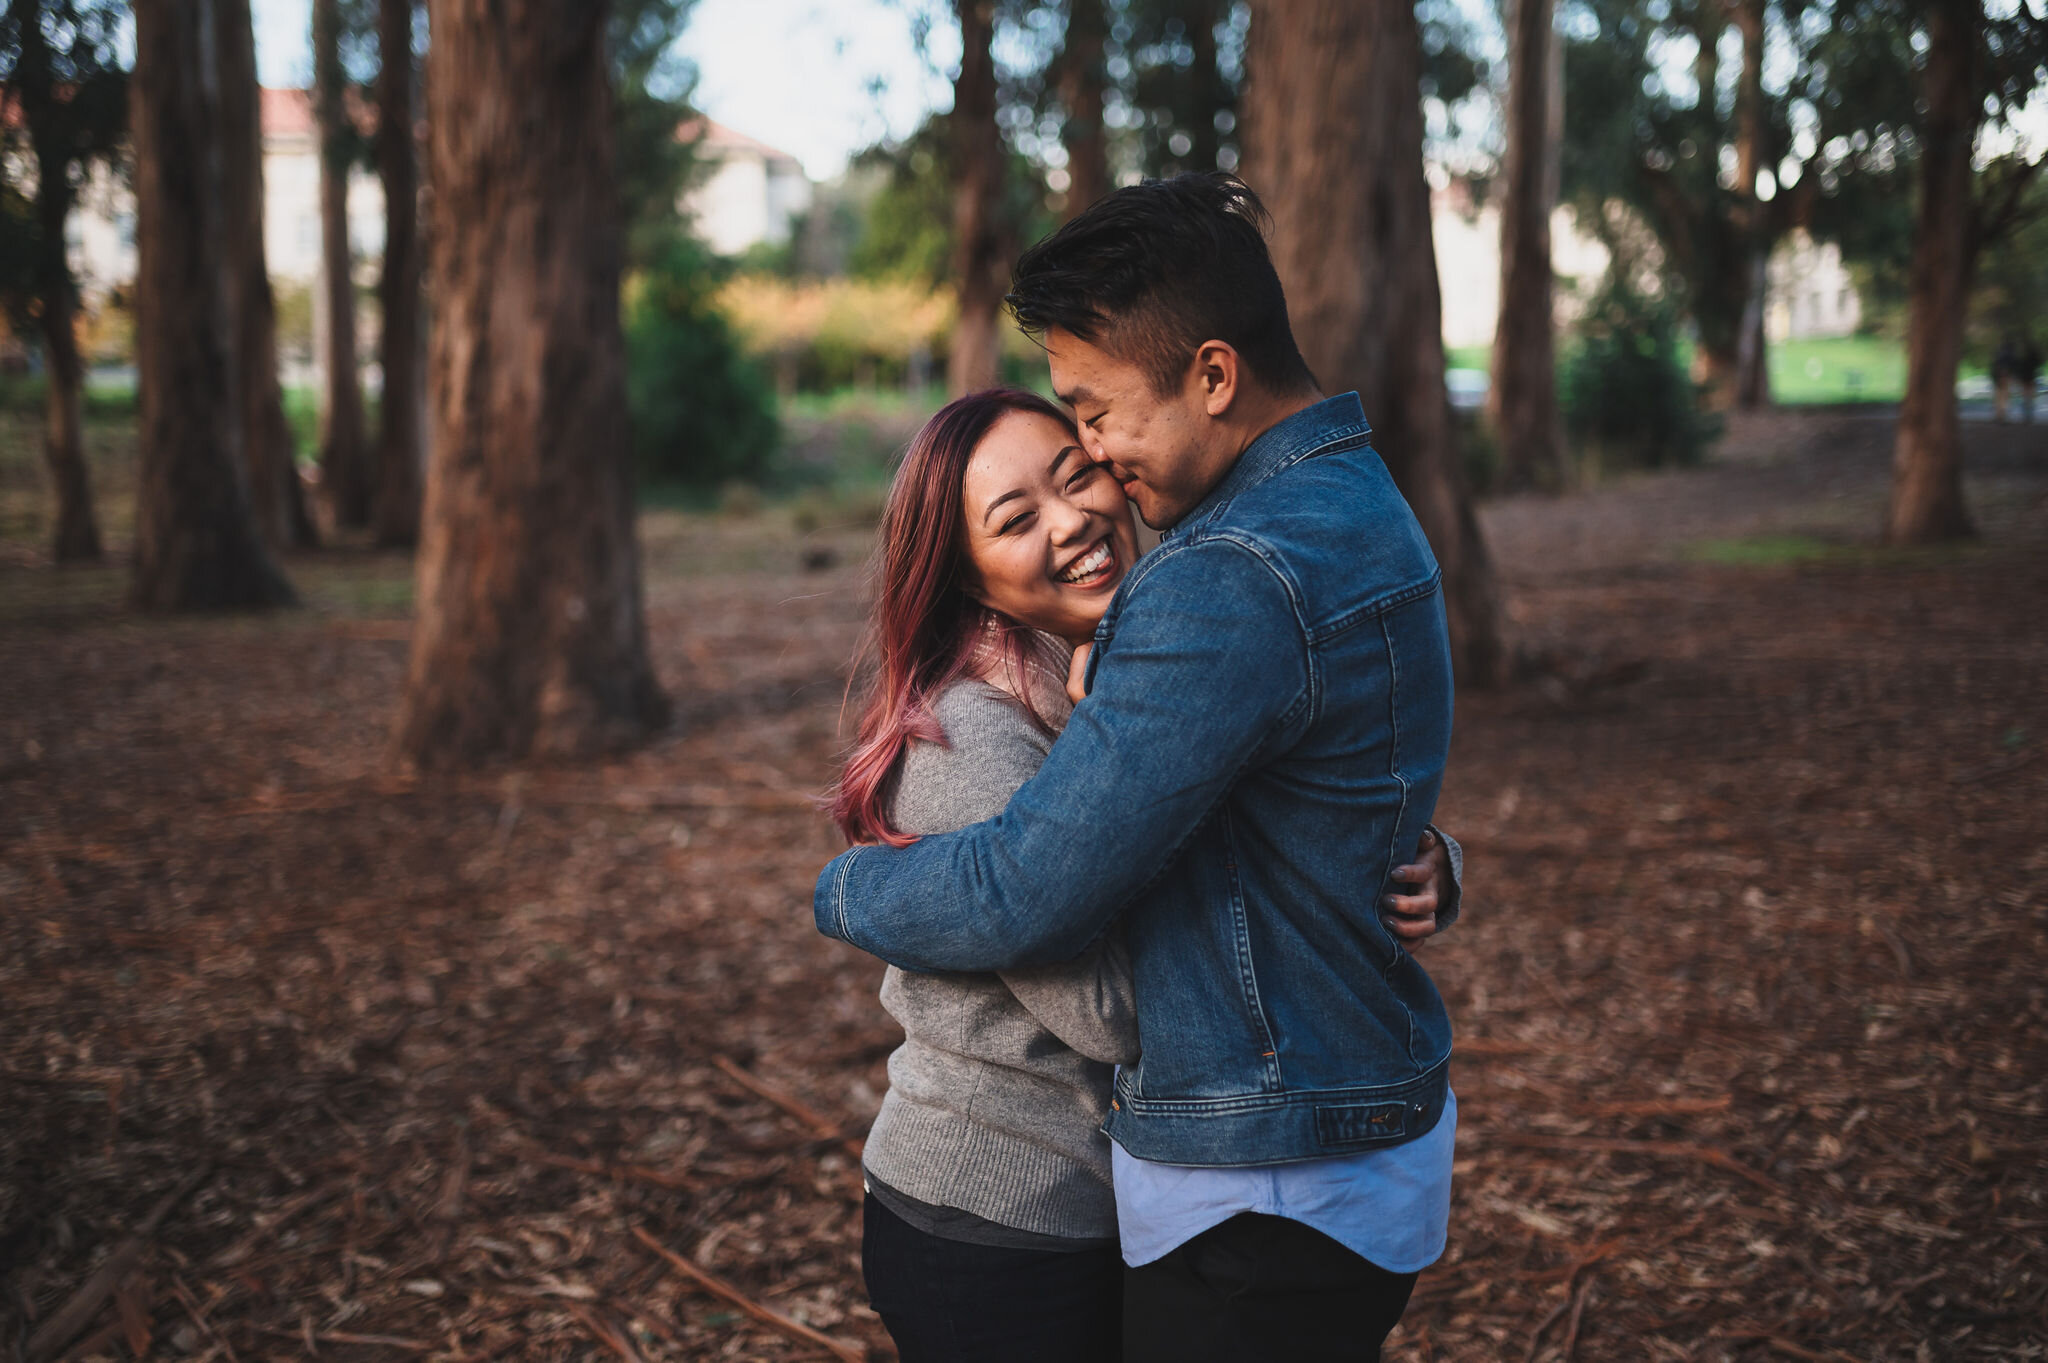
column 1064, row 521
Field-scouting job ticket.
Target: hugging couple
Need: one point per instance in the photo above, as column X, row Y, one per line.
column 1130, row 832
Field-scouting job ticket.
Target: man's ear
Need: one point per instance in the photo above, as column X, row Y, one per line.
column 1216, row 372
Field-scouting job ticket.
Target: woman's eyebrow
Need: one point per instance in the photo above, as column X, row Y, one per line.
column 990, row 509
column 1061, row 458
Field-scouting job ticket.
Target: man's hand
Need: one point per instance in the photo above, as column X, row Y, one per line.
column 1412, row 917
column 1076, row 672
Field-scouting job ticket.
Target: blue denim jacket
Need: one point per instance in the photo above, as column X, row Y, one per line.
column 1262, row 743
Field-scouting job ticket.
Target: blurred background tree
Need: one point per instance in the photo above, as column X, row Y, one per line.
column 63, row 111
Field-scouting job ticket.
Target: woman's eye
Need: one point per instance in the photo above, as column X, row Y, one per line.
column 1083, row 474
column 1014, row 522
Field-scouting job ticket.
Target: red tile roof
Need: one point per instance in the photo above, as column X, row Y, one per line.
column 715, row 139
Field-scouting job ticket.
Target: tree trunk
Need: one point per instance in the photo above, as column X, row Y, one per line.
column 530, row 638
column 275, row 497
column 196, row 544
column 1752, row 352
column 402, row 417
column 1082, row 80
column 1212, row 92
column 77, row 534
column 1522, row 402
column 1752, row 381
column 1927, row 460
column 980, row 264
column 78, row 530
column 344, row 460
column 1333, row 140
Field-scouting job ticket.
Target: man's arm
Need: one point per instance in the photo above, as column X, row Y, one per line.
column 1206, row 672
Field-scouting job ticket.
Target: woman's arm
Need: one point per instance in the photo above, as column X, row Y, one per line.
column 992, row 749
column 1087, row 1002
column 1438, row 892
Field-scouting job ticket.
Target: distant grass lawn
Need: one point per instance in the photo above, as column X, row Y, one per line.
column 1841, row 369
column 1838, row 369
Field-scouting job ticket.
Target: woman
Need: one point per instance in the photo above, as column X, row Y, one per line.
column 989, row 1226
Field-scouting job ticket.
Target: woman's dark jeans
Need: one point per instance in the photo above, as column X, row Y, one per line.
column 946, row 1301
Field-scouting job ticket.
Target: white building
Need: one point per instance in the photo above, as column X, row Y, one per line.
column 101, row 231
column 1468, row 264
column 749, row 192
column 291, row 193
column 1811, row 292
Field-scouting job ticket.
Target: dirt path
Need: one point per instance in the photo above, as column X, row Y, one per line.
column 1750, row 995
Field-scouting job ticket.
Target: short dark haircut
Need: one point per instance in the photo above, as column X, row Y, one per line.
column 1151, row 271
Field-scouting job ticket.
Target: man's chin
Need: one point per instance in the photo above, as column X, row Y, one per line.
column 1155, row 516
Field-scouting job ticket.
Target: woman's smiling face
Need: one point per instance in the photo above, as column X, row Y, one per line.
column 1049, row 533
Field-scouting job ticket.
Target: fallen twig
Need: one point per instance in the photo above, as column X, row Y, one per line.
column 1706, row 1154
column 825, row 1128
column 346, row 1337
column 1543, row 1328
column 1782, row 1345
column 190, row 1301
column 638, row 1172
column 77, row 1313
column 724, row 1290
column 603, row 1333
column 1484, row 1045
column 242, row 1248
column 1571, row 1329
column 1660, row 1107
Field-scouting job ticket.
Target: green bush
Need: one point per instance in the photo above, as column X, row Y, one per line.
column 1628, row 401
column 703, row 413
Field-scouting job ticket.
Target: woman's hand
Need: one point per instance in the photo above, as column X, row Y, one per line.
column 1077, row 672
column 1412, row 917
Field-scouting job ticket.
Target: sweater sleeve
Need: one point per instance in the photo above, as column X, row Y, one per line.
column 1454, row 901
column 993, row 747
column 1087, row 1002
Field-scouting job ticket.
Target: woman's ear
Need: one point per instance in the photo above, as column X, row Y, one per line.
column 969, row 581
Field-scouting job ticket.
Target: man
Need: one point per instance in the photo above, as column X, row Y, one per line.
column 1268, row 712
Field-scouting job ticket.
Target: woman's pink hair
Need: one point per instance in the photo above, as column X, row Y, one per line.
column 928, row 632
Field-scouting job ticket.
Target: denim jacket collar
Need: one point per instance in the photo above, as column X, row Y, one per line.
column 1308, row 431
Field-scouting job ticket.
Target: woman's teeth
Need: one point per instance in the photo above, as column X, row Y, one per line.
column 1089, row 564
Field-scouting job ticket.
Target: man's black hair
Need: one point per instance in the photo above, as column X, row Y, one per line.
column 1151, row 271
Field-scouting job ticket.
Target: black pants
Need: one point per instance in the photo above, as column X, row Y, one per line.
column 946, row 1301
column 1261, row 1287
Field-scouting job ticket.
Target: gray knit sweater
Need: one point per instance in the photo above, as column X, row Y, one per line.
column 996, row 1094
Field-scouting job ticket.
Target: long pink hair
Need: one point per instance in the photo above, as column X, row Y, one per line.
column 928, row 632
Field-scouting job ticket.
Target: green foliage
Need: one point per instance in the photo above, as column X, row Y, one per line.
column 909, row 229
column 650, row 104
column 2011, row 297
column 65, row 93
column 1177, row 68
column 1628, row 402
column 703, row 414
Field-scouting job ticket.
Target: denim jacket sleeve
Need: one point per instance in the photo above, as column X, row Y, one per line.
column 1205, row 670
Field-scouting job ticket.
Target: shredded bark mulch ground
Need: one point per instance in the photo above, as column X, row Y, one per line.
column 304, row 1057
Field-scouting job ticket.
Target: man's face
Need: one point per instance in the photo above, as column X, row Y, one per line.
column 1157, row 445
